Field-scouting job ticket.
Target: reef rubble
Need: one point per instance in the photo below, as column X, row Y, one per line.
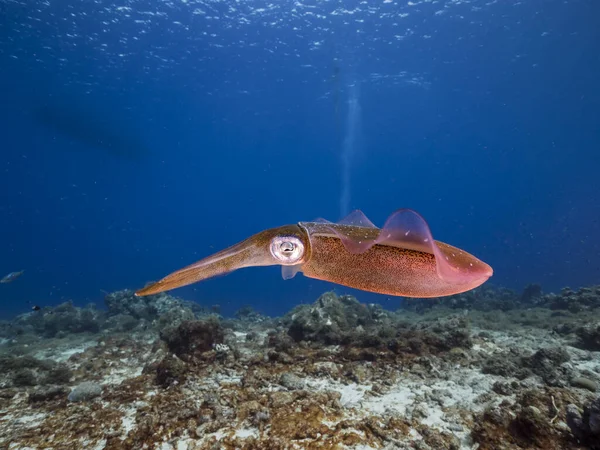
column 162, row 373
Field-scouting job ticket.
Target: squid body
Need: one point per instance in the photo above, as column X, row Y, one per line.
column 400, row 259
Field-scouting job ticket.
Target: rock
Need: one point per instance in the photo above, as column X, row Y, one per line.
column 575, row 421
column 170, row 370
column 162, row 308
column 447, row 333
column 191, row 338
column 201, row 430
column 30, row 371
column 175, row 316
column 489, row 298
column 260, row 417
column 47, row 393
column 335, row 319
column 589, row 337
column 281, row 357
column 122, row 322
column 279, row 399
column 61, row 320
column 584, row 383
column 281, row 341
column 60, row 374
column 420, row 411
column 291, row 381
column 85, row 391
column 248, row 409
column 444, row 335
column 523, row 424
column 505, row 387
column 252, row 336
column 24, row 377
column 248, row 314
column 127, row 303
column 547, row 363
column 358, row 373
column 484, row 298
column 584, row 299
column 531, row 293
column 10, row 363
column 586, row 427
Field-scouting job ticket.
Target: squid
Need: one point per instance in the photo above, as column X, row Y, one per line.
column 399, row 259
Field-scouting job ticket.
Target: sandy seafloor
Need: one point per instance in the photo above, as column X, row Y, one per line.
column 335, row 374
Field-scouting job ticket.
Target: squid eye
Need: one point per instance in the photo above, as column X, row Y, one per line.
column 287, row 250
column 287, row 247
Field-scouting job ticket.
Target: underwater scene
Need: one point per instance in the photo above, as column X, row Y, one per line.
column 300, row 224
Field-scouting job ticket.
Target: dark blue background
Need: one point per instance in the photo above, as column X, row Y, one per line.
column 214, row 128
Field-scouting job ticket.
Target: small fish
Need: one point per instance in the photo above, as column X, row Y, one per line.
column 399, row 259
column 11, row 277
column 35, row 308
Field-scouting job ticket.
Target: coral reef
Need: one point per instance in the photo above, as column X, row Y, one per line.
column 484, row 298
column 336, row 374
column 584, row 299
column 343, row 320
column 59, row 321
column 163, row 308
column 490, row 298
column 125, row 312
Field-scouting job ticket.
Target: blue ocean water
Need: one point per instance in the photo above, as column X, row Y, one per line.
column 139, row 136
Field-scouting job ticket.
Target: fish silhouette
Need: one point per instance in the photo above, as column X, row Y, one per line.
column 11, row 277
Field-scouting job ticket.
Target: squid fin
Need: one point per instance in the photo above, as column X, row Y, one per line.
column 358, row 219
column 289, row 272
column 407, row 229
column 357, row 233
